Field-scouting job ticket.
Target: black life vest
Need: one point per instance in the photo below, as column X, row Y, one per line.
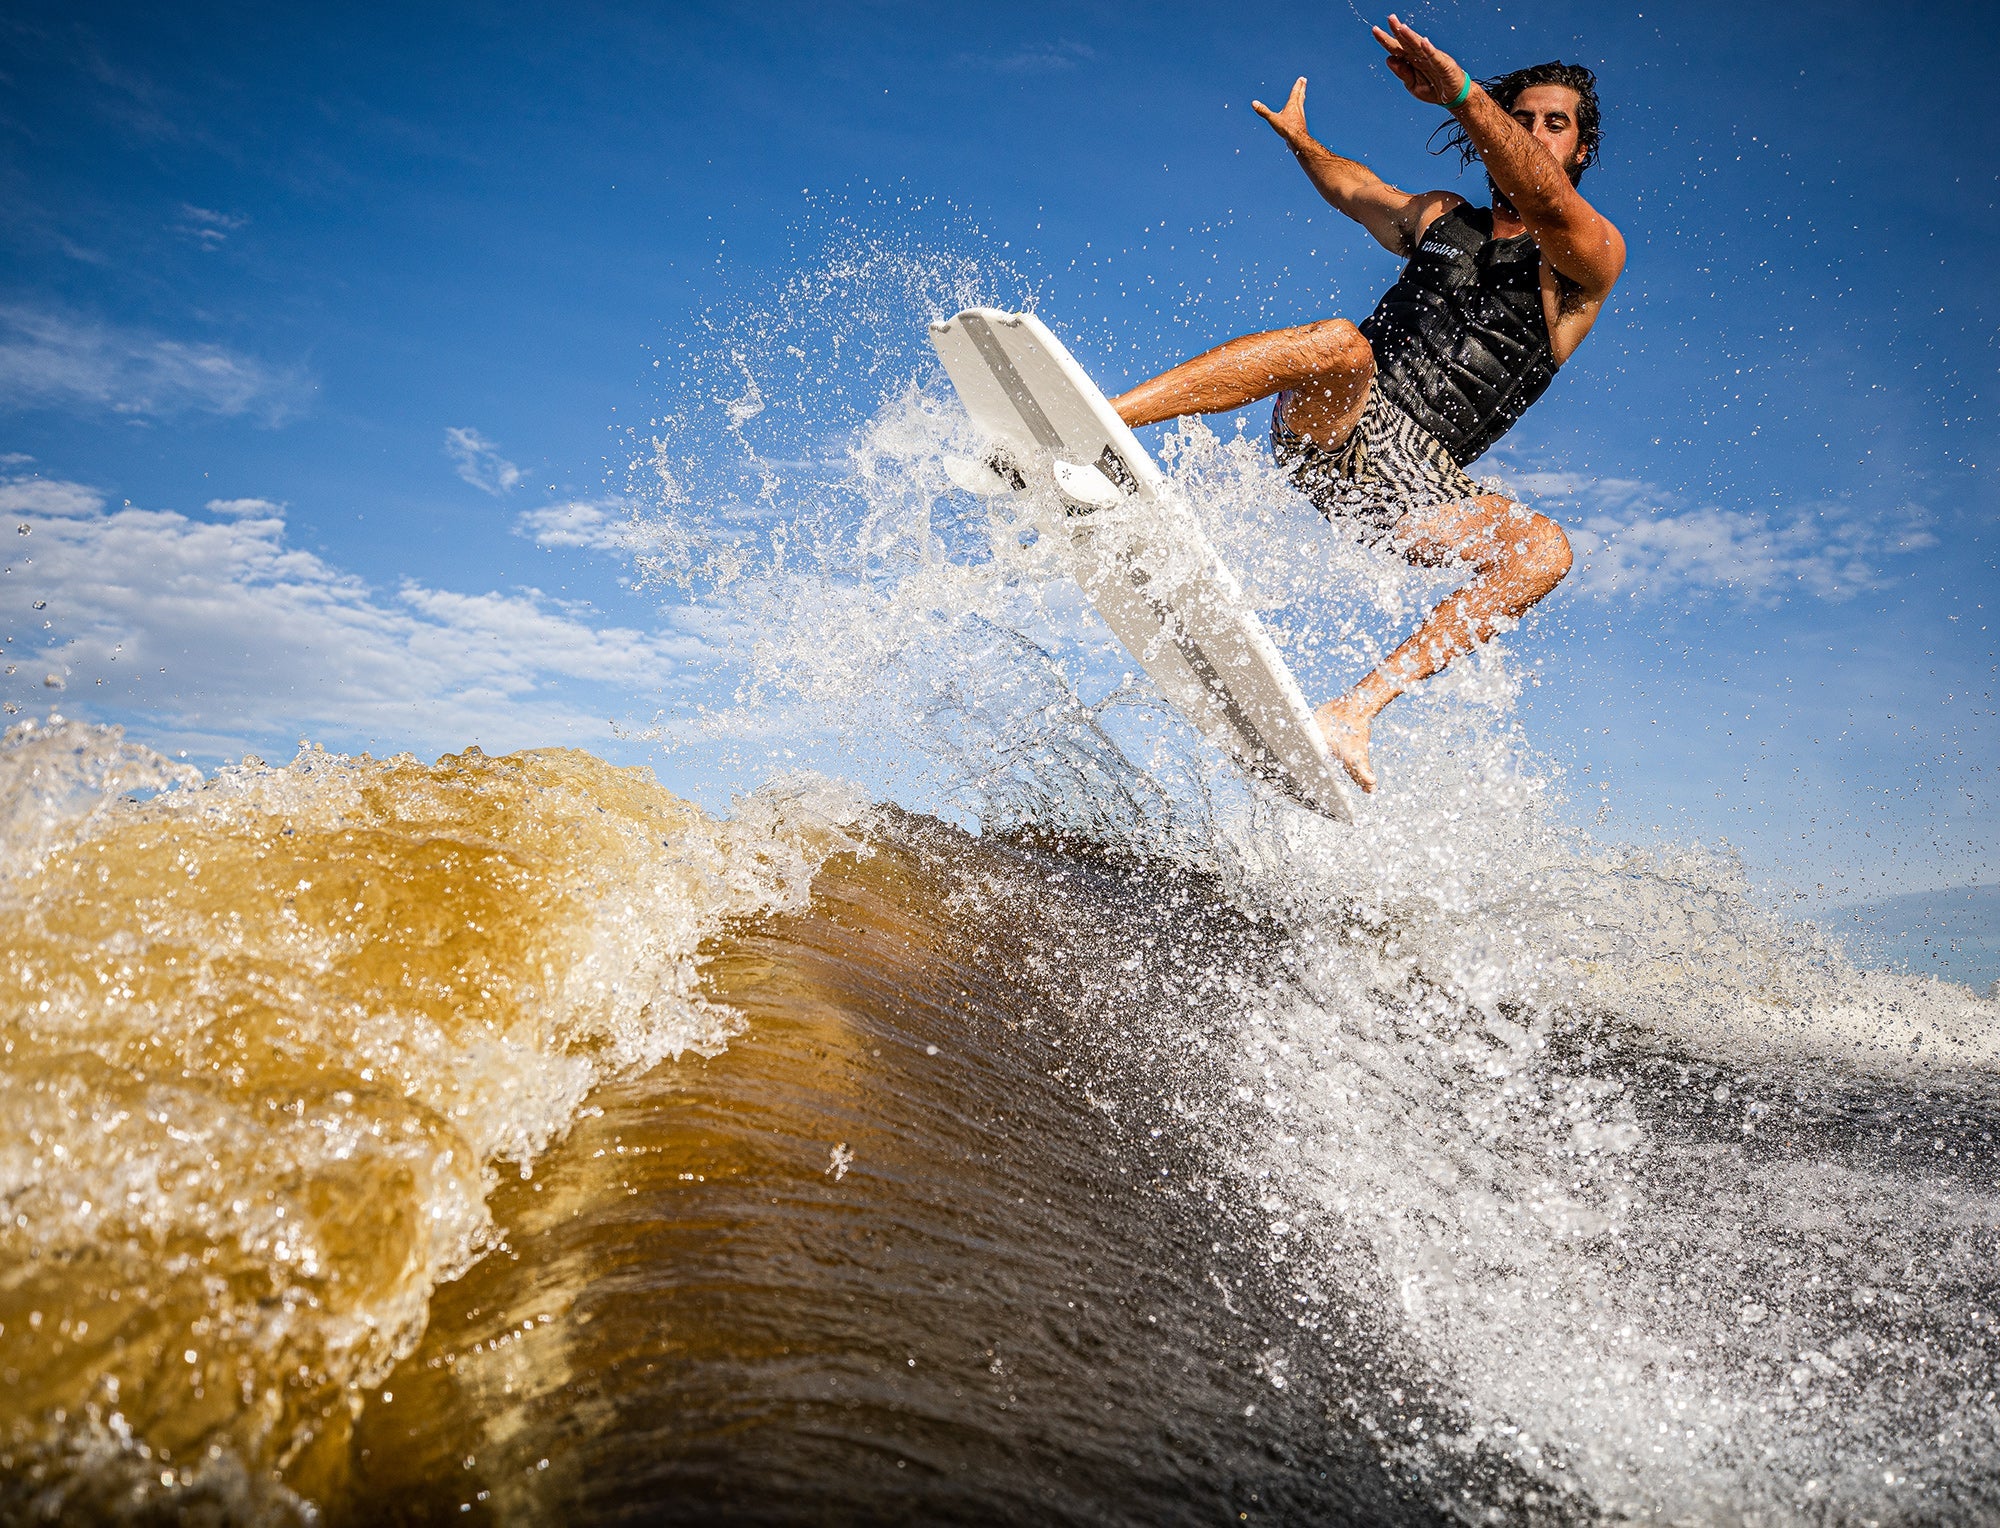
column 1461, row 340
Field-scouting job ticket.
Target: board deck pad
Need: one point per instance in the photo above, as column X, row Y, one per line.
column 1137, row 549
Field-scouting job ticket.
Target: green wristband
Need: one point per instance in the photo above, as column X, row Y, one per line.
column 1464, row 93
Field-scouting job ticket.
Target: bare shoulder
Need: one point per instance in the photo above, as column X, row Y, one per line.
column 1614, row 241
column 1579, row 245
column 1597, row 248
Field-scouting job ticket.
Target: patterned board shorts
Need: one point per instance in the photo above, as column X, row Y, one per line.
column 1388, row 466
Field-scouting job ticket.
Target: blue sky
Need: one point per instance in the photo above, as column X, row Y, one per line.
column 314, row 318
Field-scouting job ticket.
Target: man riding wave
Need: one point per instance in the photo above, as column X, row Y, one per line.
column 1378, row 421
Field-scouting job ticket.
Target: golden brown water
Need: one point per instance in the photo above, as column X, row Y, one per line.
column 266, row 1048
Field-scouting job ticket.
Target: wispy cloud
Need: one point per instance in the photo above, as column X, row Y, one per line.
column 211, row 230
column 48, row 496
column 599, row 525
column 52, row 359
column 259, row 638
column 245, row 509
column 135, row 99
column 1035, row 58
column 479, row 462
column 1634, row 541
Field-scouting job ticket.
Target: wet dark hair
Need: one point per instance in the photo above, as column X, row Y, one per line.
column 1506, row 90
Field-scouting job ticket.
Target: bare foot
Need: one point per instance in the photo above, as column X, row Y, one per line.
column 1344, row 725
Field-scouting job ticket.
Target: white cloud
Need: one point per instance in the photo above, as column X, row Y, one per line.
column 246, row 509
column 261, row 639
column 44, row 496
column 599, row 525
column 208, row 229
column 477, row 460
column 53, row 359
column 1635, row 541
column 14, row 458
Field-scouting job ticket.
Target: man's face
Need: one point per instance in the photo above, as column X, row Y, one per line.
column 1548, row 112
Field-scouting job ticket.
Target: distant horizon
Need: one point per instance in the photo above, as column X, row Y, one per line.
column 1952, row 934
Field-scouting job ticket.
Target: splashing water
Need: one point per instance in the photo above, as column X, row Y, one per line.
column 268, row 1041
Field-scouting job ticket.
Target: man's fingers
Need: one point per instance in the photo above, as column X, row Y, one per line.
column 1414, row 59
column 1415, row 42
column 1417, row 54
column 1404, row 46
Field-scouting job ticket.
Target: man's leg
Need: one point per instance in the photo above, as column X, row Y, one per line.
column 1517, row 557
column 1326, row 367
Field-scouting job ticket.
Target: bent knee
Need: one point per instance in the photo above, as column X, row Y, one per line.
column 1531, row 543
column 1549, row 550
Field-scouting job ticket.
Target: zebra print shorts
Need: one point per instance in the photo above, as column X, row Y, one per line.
column 1387, row 466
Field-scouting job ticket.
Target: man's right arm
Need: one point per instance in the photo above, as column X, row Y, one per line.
column 1396, row 218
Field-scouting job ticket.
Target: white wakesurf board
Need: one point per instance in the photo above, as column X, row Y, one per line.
column 1137, row 551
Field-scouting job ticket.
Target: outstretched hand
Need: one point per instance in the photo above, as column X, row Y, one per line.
column 1290, row 124
column 1426, row 70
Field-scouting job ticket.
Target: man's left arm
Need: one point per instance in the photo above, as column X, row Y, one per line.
column 1572, row 235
